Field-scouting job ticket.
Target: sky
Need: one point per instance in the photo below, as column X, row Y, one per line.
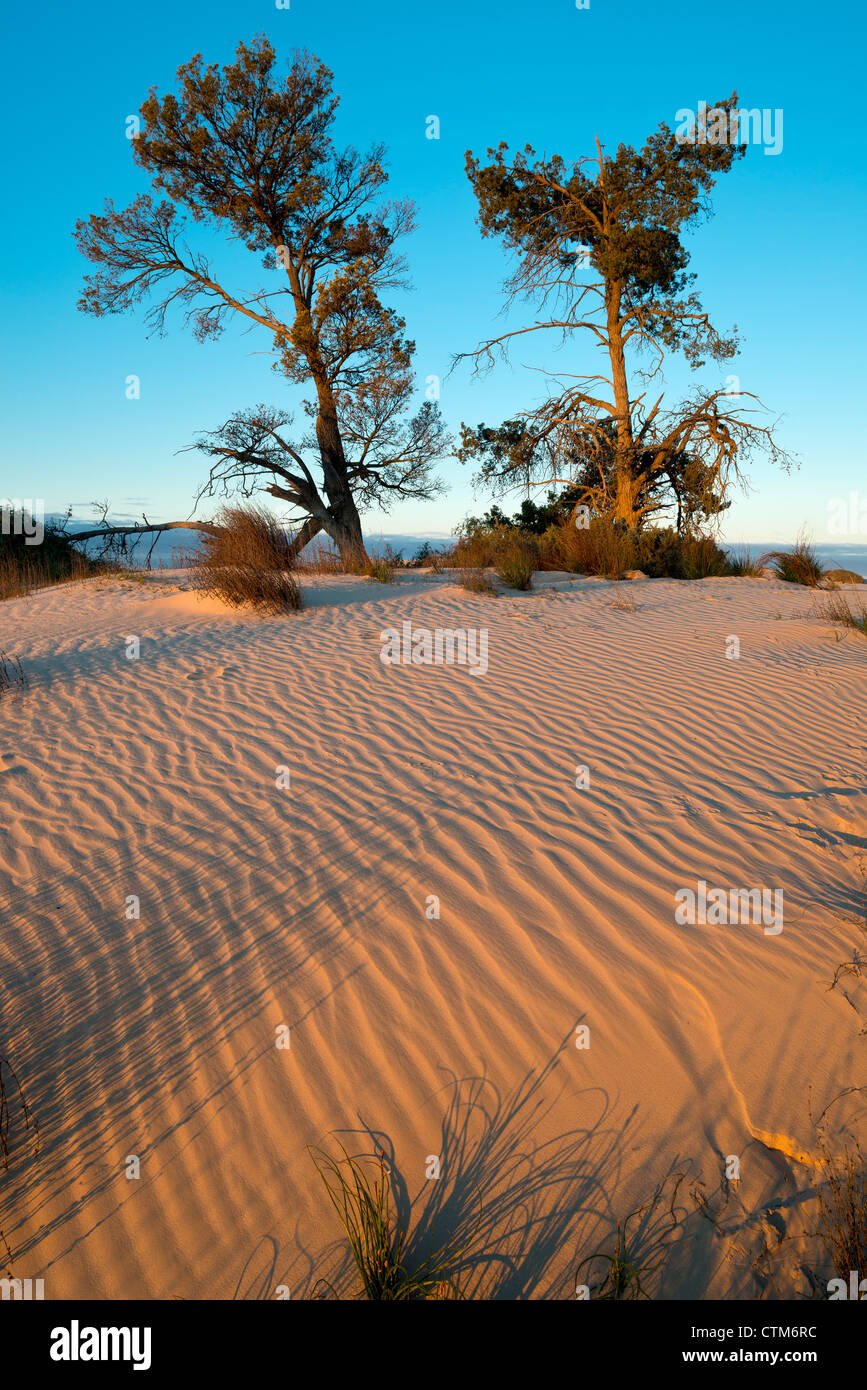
column 781, row 257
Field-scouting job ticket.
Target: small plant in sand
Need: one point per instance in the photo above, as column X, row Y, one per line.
column 843, row 1210
column 836, row 609
column 799, row 565
column 377, row 1239
column 638, row 1252
column 476, row 581
column 248, row 561
column 379, row 570
column 741, row 562
column 12, row 675
column 11, row 1090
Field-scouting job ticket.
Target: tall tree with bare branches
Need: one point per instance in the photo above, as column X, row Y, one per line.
column 599, row 251
column 252, row 155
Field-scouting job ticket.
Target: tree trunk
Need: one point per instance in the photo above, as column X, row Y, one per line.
column 625, row 483
column 343, row 524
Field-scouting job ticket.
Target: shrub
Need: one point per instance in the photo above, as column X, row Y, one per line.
column 701, row 558
column 604, row 547
column 248, row 561
column 490, row 547
column 796, row 566
column 844, row 577
column 380, row 570
column 516, row 568
column 476, row 581
column 25, row 568
column 843, row 1210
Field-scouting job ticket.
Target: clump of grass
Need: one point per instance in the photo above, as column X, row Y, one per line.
column 836, row 609
column 248, row 561
column 799, row 565
column 377, row 1239
column 379, row 570
column 476, row 581
column 626, row 604
column 843, row 1210
column 516, row 569
column 741, row 562
column 638, row 1253
column 11, row 673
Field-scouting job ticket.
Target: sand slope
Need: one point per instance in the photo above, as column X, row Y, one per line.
column 306, row 906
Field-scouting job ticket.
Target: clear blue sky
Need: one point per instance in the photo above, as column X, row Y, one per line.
column 782, row 257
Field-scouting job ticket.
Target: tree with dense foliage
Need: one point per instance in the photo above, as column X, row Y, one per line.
column 600, row 253
column 253, row 156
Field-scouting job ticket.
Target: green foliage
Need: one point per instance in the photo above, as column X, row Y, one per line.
column 380, row 570
column 602, row 249
column 425, row 555
column 630, row 218
column 250, row 151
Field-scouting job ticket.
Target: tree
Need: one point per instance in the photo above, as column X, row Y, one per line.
column 683, row 484
column 252, row 156
column 624, row 226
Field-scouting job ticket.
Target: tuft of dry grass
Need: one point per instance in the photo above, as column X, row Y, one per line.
column 835, row 609
column 476, row 581
column 248, row 562
column 799, row 565
column 843, row 1210
column 12, row 675
column 17, row 1094
column 626, row 604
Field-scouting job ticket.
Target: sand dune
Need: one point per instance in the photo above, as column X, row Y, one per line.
column 306, row 906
